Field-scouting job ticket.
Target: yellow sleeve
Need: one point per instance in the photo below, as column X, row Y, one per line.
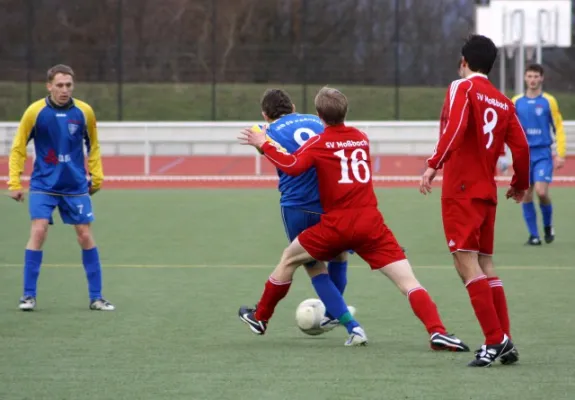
column 558, row 125
column 18, row 154
column 95, row 167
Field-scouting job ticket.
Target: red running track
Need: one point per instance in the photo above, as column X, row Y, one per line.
column 165, row 167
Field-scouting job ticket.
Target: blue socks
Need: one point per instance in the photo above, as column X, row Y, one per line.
column 547, row 212
column 530, row 218
column 32, row 262
column 91, row 261
column 333, row 300
column 338, row 274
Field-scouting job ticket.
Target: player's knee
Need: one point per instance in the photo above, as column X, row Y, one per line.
column 85, row 237
column 341, row 257
column 38, row 234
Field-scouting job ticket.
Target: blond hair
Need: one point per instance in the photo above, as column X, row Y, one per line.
column 331, row 106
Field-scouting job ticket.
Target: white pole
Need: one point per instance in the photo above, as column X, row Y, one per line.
column 258, row 164
column 540, row 35
column 502, row 71
column 147, row 151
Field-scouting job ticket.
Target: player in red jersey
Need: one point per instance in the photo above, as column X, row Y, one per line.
column 480, row 120
column 351, row 220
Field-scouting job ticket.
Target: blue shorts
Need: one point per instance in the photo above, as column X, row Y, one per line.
column 74, row 210
column 541, row 168
column 297, row 220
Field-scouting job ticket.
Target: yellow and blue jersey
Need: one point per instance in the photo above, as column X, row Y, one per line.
column 289, row 133
column 59, row 135
column 542, row 122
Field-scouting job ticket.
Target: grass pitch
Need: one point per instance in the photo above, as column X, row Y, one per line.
column 178, row 264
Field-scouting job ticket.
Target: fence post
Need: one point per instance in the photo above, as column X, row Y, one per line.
column 258, row 164
column 147, row 151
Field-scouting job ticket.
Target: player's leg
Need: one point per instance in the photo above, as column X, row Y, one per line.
column 77, row 211
column 337, row 269
column 380, row 249
column 486, row 251
column 41, row 207
column 295, row 221
column 543, row 178
column 463, row 221
column 529, row 213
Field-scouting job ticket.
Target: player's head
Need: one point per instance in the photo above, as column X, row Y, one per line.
column 60, row 83
column 331, row 106
column 534, row 76
column 478, row 55
column 275, row 104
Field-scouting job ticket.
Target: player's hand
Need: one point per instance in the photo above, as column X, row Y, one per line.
column 17, row 195
column 515, row 194
column 93, row 191
column 559, row 162
column 426, row 180
column 251, row 138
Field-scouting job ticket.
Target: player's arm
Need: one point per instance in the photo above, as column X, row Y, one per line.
column 291, row 164
column 457, row 117
column 95, row 168
column 517, row 143
column 557, row 122
column 18, row 154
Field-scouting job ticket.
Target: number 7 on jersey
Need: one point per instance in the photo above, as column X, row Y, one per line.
column 358, row 159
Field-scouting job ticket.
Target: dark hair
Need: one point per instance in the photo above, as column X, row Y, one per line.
column 59, row 69
column 480, row 53
column 535, row 68
column 275, row 103
column 331, row 106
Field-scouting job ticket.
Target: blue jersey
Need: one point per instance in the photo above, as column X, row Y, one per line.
column 542, row 122
column 290, row 133
column 59, row 135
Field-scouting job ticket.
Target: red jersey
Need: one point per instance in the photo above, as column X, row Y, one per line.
column 342, row 162
column 477, row 120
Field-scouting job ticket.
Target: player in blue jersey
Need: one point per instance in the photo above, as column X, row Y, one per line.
column 541, row 119
column 299, row 201
column 60, row 126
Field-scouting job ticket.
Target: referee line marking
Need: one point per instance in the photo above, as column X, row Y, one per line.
column 271, row 266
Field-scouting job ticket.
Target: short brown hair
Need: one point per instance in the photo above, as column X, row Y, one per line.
column 331, row 106
column 59, row 69
column 535, row 68
column 275, row 103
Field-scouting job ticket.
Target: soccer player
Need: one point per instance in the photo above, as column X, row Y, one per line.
column 351, row 220
column 480, row 121
column 299, row 202
column 59, row 126
column 539, row 114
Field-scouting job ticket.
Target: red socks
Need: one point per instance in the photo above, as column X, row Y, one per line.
column 482, row 302
column 426, row 310
column 500, row 302
column 274, row 291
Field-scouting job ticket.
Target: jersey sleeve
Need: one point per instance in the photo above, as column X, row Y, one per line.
column 18, row 154
column 557, row 122
column 292, row 164
column 95, row 168
column 456, row 123
column 517, row 143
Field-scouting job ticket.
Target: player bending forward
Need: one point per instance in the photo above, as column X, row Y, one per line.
column 480, row 121
column 59, row 126
column 351, row 219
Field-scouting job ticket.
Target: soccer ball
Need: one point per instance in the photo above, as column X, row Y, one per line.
column 308, row 316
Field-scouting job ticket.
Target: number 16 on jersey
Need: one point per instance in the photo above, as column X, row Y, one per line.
column 359, row 166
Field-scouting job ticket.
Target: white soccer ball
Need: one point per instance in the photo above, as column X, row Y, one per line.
column 308, row 316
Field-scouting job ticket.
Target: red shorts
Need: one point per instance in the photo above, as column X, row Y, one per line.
column 362, row 231
column 469, row 225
